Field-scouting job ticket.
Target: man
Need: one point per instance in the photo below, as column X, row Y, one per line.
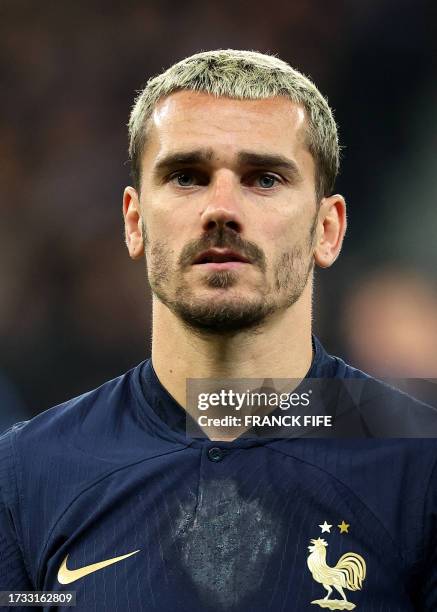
column 234, row 157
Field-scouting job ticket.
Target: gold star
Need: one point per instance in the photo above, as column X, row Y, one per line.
column 325, row 527
column 343, row 527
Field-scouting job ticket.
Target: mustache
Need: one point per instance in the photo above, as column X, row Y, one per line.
column 222, row 237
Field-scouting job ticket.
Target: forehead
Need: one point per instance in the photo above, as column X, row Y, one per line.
column 191, row 120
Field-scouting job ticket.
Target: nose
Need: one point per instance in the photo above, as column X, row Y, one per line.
column 223, row 207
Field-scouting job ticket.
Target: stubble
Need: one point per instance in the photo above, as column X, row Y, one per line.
column 233, row 313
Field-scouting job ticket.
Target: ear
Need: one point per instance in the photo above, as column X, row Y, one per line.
column 133, row 223
column 331, row 228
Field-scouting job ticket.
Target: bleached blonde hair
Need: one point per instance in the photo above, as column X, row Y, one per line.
column 242, row 75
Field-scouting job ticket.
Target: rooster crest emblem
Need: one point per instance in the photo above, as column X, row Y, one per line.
column 349, row 573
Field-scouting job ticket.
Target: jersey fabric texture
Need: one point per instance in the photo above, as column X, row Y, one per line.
column 256, row 524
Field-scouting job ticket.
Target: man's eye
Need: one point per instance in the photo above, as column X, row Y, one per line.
column 267, row 181
column 183, row 179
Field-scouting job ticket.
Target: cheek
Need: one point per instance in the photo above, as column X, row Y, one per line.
column 271, row 229
column 291, row 237
column 278, row 234
column 168, row 222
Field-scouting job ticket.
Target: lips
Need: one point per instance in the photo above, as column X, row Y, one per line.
column 217, row 255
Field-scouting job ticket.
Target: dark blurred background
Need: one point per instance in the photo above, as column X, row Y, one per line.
column 74, row 310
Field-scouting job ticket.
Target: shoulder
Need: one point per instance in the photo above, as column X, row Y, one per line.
column 83, row 424
column 385, row 409
column 51, row 459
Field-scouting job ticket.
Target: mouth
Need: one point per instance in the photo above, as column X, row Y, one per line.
column 220, row 259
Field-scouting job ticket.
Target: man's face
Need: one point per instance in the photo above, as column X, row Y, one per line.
column 228, row 208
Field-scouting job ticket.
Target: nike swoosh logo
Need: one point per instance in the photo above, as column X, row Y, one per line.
column 66, row 576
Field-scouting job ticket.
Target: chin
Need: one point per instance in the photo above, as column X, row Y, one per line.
column 223, row 314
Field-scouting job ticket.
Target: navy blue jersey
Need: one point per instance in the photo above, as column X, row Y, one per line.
column 105, row 495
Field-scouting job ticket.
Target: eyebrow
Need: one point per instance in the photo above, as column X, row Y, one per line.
column 269, row 160
column 182, row 158
column 245, row 158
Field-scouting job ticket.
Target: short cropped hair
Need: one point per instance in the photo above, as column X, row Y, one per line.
column 242, row 75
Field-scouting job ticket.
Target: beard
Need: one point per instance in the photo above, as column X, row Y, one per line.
column 232, row 313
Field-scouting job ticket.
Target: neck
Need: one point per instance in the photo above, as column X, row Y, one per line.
column 282, row 348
